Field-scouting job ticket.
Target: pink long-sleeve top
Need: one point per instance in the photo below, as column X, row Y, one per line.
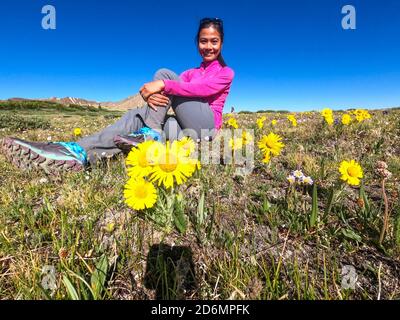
column 210, row 81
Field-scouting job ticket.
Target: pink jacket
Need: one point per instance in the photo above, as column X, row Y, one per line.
column 210, row 81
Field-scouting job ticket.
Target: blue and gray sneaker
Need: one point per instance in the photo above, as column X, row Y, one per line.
column 127, row 142
column 52, row 157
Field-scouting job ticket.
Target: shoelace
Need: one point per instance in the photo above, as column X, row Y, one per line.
column 146, row 131
column 76, row 150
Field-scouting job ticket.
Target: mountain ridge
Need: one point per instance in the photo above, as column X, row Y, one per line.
column 130, row 102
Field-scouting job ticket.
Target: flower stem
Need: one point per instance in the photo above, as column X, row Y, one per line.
column 386, row 213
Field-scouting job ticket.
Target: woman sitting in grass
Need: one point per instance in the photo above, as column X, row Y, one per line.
column 197, row 97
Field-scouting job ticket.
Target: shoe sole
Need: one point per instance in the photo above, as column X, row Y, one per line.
column 124, row 146
column 27, row 159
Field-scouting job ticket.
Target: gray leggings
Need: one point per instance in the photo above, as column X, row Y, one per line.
column 194, row 118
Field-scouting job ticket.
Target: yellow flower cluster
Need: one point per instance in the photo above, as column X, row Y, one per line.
column 231, row 122
column 260, row 122
column 292, row 120
column 238, row 143
column 162, row 164
column 361, row 115
column 346, row 119
column 270, row 145
column 328, row 116
column 247, row 137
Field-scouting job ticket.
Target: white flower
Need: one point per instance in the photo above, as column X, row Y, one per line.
column 49, row 138
column 43, row 180
column 298, row 174
column 291, row 179
column 307, row 180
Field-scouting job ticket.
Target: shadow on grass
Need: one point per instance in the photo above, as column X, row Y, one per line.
column 170, row 271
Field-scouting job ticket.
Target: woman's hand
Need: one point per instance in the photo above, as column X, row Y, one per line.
column 150, row 88
column 157, row 100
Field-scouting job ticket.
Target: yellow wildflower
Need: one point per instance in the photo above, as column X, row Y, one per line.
column 236, row 143
column 260, row 122
column 271, row 143
column 246, row 137
column 292, row 119
column 351, row 172
column 267, row 157
column 140, row 194
column 327, row 112
column 77, row 132
column 172, row 164
column 232, row 123
column 346, row 119
column 361, row 115
column 328, row 116
column 140, row 159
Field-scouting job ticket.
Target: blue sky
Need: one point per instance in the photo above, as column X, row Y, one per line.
column 286, row 54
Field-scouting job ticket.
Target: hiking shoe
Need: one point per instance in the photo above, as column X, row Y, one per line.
column 52, row 157
column 127, row 142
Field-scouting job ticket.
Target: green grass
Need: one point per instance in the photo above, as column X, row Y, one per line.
column 242, row 237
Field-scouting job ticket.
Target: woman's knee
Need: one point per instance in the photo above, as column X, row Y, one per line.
column 165, row 73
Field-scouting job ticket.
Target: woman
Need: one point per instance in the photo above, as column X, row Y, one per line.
column 197, row 97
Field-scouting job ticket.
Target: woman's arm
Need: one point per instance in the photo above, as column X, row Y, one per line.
column 154, row 87
column 202, row 87
column 185, row 75
column 197, row 88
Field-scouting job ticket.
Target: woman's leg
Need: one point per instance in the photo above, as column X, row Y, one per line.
column 54, row 157
column 195, row 117
column 172, row 129
column 101, row 144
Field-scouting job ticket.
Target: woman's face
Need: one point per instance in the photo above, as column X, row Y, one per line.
column 210, row 44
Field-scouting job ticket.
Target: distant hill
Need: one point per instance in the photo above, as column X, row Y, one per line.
column 131, row 102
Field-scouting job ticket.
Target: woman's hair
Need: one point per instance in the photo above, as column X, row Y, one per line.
column 216, row 24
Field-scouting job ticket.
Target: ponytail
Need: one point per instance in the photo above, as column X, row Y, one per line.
column 221, row 60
